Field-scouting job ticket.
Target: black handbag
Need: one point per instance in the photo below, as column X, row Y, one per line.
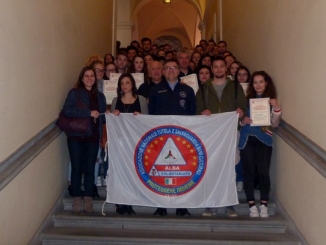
column 72, row 125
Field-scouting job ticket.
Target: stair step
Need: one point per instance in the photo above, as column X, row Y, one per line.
column 100, row 236
column 241, row 209
column 218, row 223
column 241, row 194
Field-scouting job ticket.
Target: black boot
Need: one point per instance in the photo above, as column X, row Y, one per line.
column 129, row 209
column 161, row 212
column 95, row 192
column 70, row 190
column 120, row 209
column 182, row 211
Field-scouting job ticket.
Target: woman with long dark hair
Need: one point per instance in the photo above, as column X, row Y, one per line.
column 195, row 57
column 233, row 69
column 84, row 101
column 256, row 144
column 242, row 75
column 127, row 101
column 138, row 65
column 203, row 73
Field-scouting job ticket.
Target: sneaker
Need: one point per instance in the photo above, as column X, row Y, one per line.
column 209, row 212
column 99, row 181
column 263, row 211
column 239, row 186
column 230, row 211
column 253, row 212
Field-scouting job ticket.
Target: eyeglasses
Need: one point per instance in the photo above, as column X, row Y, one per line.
column 110, row 70
column 242, row 74
column 171, row 68
column 99, row 70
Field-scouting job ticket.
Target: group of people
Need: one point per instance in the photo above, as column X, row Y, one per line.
column 163, row 92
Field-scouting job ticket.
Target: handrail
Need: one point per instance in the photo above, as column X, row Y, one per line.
column 306, row 148
column 17, row 161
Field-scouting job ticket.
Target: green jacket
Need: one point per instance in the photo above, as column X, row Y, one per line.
column 206, row 98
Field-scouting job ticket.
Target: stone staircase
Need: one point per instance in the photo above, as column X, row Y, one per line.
column 144, row 228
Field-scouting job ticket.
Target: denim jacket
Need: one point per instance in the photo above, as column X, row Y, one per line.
column 70, row 108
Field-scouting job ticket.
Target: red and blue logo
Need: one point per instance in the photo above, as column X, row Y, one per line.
column 170, row 160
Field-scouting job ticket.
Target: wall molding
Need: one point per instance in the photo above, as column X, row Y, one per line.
column 291, row 227
column 305, row 147
column 48, row 221
column 18, row 160
column 125, row 25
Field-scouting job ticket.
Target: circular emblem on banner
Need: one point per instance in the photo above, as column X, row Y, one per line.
column 170, row 160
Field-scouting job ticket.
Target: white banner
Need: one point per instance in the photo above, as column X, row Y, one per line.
column 172, row 161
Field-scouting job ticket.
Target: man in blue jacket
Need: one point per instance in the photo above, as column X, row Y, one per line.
column 170, row 97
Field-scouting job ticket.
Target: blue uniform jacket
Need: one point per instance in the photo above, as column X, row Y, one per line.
column 70, row 108
column 165, row 101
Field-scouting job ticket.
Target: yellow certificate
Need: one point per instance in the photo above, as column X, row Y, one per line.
column 191, row 80
column 110, row 90
column 260, row 112
column 139, row 78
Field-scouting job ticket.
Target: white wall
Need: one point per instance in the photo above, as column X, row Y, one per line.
column 43, row 47
column 27, row 199
column 286, row 39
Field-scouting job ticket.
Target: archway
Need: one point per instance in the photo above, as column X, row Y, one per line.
column 167, row 20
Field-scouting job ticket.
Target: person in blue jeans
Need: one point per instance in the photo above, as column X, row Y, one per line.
column 84, row 101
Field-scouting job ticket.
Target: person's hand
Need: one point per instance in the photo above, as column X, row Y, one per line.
column 206, row 112
column 116, row 112
column 240, row 112
column 95, row 114
column 246, row 120
column 136, row 113
column 182, row 81
column 274, row 103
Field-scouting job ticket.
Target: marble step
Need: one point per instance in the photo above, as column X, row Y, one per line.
column 193, row 223
column 100, row 236
column 242, row 208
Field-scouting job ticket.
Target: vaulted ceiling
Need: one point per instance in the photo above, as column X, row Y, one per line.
column 180, row 19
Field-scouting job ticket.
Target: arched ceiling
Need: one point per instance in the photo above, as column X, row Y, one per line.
column 180, row 19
